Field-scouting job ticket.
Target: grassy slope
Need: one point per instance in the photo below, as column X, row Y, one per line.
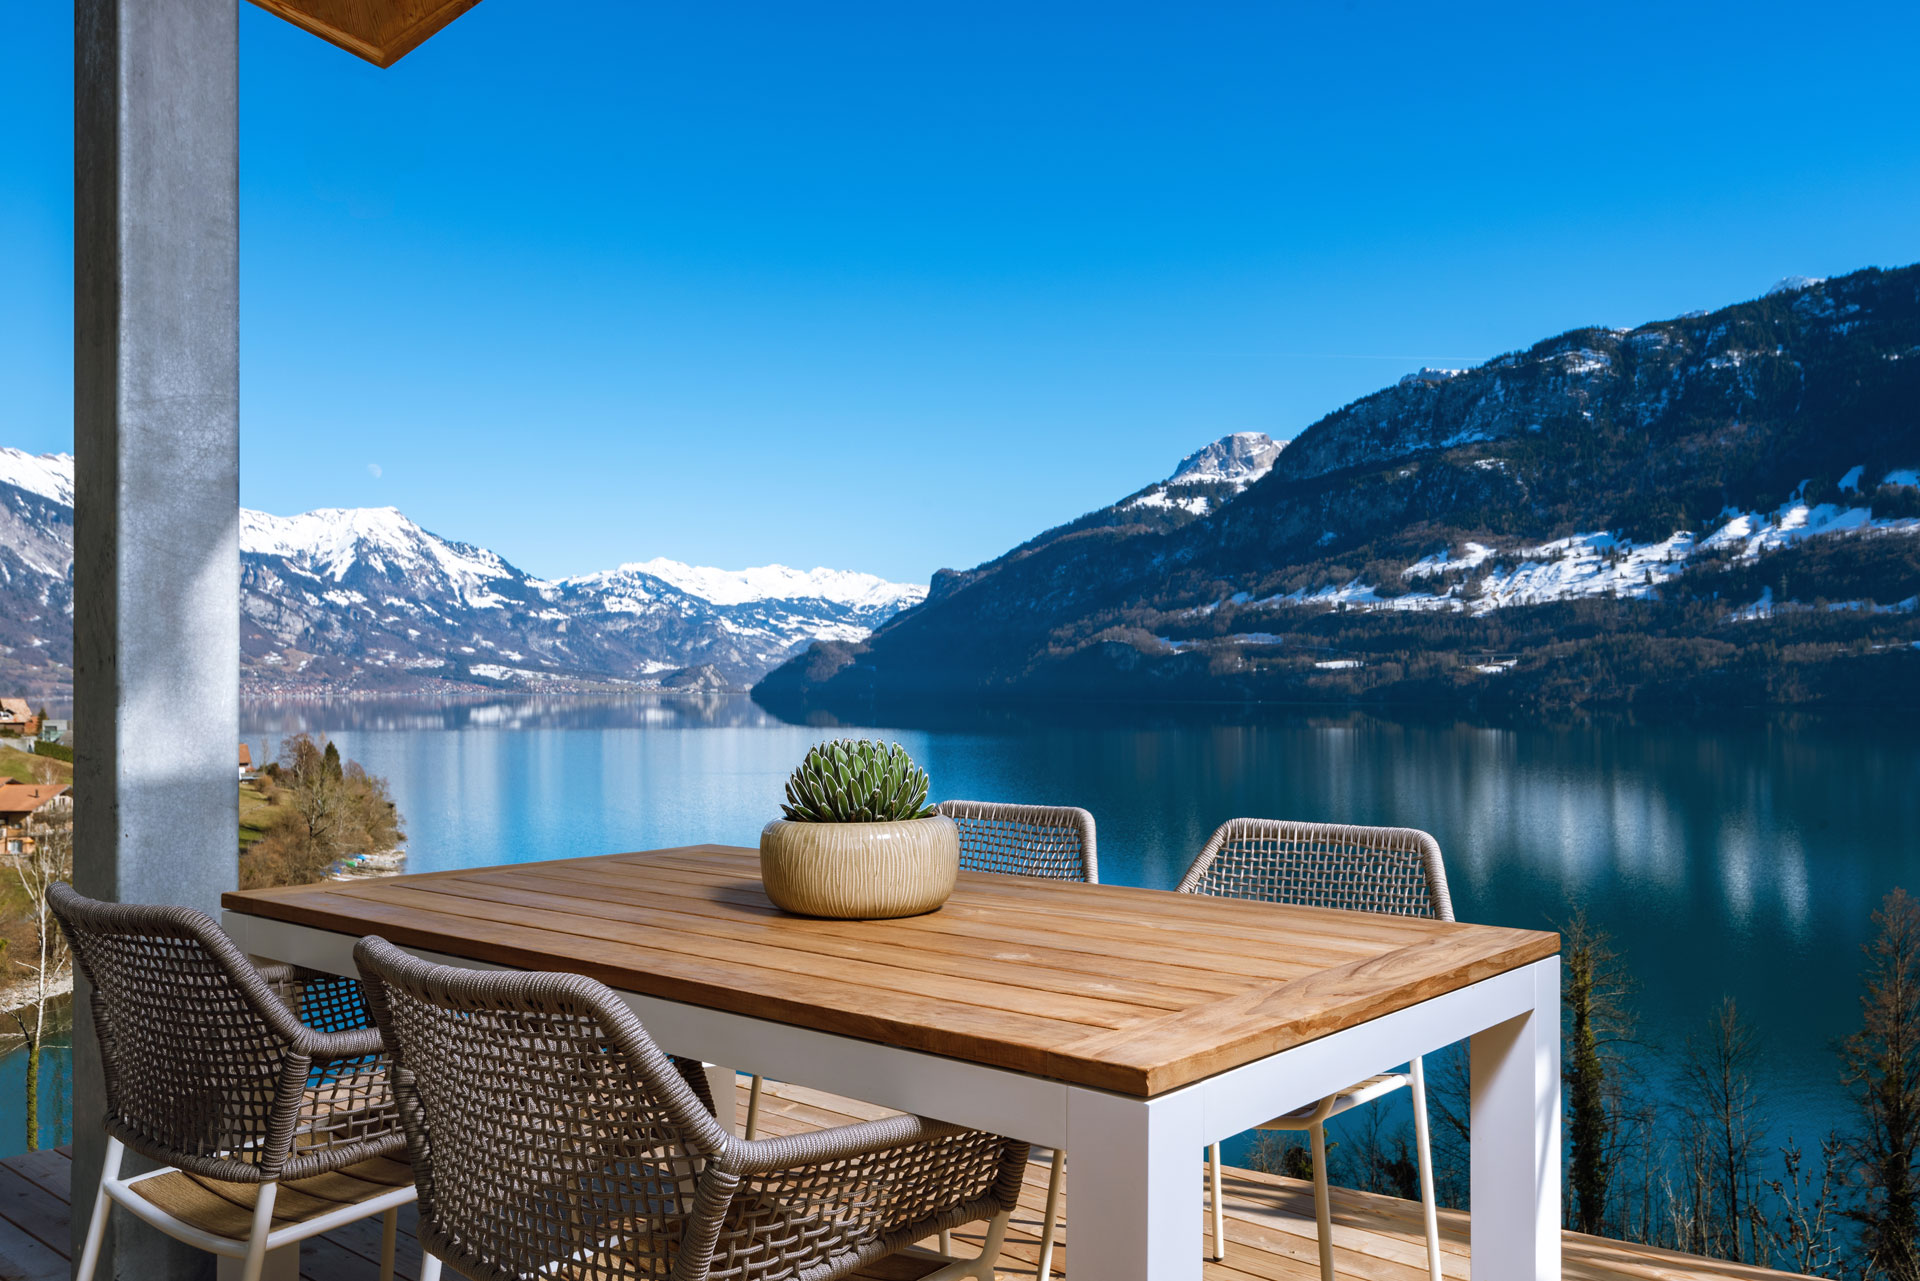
column 254, row 814
column 20, row 766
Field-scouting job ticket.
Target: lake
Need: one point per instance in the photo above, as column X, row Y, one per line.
column 1732, row 858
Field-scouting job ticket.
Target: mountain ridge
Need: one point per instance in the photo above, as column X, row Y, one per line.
column 341, row 598
column 1601, row 473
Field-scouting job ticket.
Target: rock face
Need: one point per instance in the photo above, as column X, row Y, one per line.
column 1717, row 507
column 1237, row 460
column 366, row 597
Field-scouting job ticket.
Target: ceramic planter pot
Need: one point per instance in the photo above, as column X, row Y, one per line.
column 860, row 871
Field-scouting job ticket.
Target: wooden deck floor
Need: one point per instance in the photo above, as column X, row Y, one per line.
column 1269, row 1226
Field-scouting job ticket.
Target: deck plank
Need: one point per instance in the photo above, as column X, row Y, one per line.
column 1270, row 1227
column 1270, row 1233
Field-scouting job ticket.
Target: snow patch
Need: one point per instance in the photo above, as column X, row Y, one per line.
column 1470, row 558
column 1195, row 504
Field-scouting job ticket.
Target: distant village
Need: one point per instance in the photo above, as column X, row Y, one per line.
column 29, row 805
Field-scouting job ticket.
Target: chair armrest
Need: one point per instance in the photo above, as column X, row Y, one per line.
column 850, row 1194
column 840, row 1143
column 341, row 1047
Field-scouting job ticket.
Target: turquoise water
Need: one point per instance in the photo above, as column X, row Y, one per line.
column 1731, row 858
column 56, row 1096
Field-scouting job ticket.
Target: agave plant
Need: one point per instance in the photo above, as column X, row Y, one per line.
column 857, row 781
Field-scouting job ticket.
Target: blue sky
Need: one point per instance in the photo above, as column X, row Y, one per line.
column 892, row 287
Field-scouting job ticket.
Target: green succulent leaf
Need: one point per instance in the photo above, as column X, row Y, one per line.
column 856, row 781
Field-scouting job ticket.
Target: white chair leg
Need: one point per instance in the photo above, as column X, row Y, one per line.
column 1322, row 1211
column 946, row 1242
column 983, row 1267
column 1425, row 1145
column 429, row 1267
column 389, row 1242
column 753, row 1110
column 1050, row 1220
column 102, row 1207
column 257, row 1238
column 1219, row 1207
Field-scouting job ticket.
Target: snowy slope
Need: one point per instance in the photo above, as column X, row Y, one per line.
column 43, row 475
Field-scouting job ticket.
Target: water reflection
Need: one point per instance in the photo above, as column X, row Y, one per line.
column 1724, row 858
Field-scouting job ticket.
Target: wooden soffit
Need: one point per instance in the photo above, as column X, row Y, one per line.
column 381, row 31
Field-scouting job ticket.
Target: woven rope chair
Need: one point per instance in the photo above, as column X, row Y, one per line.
column 553, row 1141
column 262, row 1091
column 1051, row 841
column 1395, row 870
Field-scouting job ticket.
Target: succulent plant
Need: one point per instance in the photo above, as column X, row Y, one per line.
column 857, row 781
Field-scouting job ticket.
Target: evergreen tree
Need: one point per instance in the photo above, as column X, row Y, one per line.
column 333, row 767
column 1881, row 1068
column 1597, row 987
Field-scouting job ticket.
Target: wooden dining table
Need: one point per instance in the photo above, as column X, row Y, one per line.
column 1129, row 1027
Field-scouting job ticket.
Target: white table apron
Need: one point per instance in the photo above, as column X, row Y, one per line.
column 1133, row 1180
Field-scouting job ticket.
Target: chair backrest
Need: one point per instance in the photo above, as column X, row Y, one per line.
column 205, row 1063
column 543, row 1122
column 1362, row 869
column 1053, row 841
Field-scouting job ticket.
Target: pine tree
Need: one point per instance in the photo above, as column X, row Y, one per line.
column 1881, row 1069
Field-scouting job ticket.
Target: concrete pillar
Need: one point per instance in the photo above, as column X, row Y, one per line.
column 156, row 552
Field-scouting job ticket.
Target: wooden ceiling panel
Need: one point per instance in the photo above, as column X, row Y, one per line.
column 381, row 31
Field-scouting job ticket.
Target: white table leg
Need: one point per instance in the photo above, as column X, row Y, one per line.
column 1134, row 1203
column 1516, row 1140
column 726, row 1099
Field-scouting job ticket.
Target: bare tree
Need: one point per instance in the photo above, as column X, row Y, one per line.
column 1880, row 1065
column 45, row 858
column 1724, row 1132
column 1803, row 1230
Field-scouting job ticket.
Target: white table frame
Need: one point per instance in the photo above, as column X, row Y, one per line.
column 1134, row 1178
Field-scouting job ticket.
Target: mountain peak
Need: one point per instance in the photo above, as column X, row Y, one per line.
column 1793, row 284
column 1239, row 459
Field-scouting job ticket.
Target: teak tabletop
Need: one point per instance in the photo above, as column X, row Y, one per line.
column 1129, row 990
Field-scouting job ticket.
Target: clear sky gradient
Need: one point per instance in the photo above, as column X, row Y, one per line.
column 896, row 286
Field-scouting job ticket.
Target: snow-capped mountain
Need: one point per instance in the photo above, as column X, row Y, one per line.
column 365, row 596
column 1723, row 507
column 1239, row 460
column 1204, row 481
column 1210, row 476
